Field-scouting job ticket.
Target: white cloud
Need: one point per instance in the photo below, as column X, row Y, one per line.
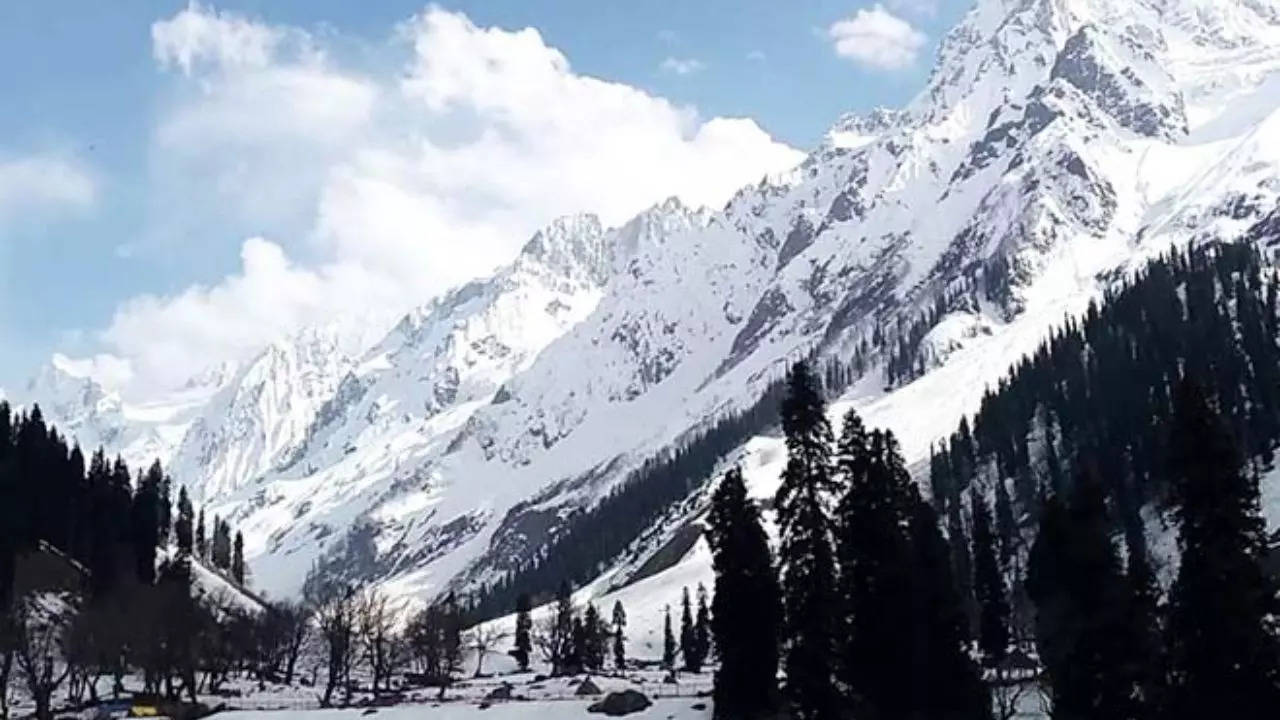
column 757, row 56
column 203, row 34
column 386, row 186
column 877, row 39
column 682, row 66
column 39, row 183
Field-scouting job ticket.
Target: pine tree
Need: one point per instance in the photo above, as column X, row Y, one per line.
column 523, row 644
column 562, row 631
column 237, row 559
column 619, row 636
column 183, row 527
column 702, row 626
column 668, row 641
column 1083, row 609
column 220, row 544
column 874, row 559
column 1223, row 652
column 202, row 550
column 1006, row 526
column 989, row 587
column 962, row 567
column 805, row 553
column 746, row 606
column 144, row 520
column 688, row 637
column 594, row 632
column 166, row 511
column 945, row 682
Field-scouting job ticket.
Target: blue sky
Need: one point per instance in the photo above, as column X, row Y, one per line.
column 179, row 182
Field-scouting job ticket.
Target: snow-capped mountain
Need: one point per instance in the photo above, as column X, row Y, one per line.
column 1056, row 143
column 94, row 415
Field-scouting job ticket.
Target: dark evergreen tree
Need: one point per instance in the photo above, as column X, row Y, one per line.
column 875, row 569
column 523, row 643
column 579, row 640
column 668, row 641
column 962, row 567
column 688, row 636
column 220, row 544
column 805, row 554
column 619, row 636
column 202, row 549
column 166, row 511
column 561, row 639
column 702, row 626
column 746, row 606
column 1006, row 527
column 1083, row 603
column 595, row 633
column 184, row 525
column 237, row 559
column 145, row 523
column 989, row 587
column 944, row 680
column 1223, row 650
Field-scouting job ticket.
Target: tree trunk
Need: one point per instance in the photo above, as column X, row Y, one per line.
column 6, row 668
column 43, row 709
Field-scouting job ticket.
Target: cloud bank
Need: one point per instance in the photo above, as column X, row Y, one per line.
column 397, row 180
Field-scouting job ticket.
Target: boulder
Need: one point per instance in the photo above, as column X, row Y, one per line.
column 616, row 704
column 502, row 692
column 587, row 687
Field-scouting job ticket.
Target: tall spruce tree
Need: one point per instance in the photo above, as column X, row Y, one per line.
column 184, row 525
column 144, row 520
column 619, row 636
column 562, row 631
column 668, row 641
column 202, row 546
column 688, row 643
column 989, row 586
column 166, row 511
column 1223, row 649
column 875, row 580
column 746, row 611
column 702, row 626
column 523, row 642
column 237, row 559
column 1083, row 603
column 805, row 555
column 945, row 681
column 1006, row 526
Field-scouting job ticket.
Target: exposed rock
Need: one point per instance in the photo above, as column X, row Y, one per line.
column 617, row 704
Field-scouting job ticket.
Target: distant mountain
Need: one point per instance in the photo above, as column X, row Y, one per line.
column 1057, row 144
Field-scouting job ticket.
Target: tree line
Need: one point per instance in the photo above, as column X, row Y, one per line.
column 1161, row 397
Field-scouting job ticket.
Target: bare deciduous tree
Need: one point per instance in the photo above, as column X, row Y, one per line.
column 377, row 618
column 483, row 639
column 40, row 630
column 335, row 617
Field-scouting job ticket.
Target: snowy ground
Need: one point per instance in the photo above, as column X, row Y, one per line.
column 687, row 698
column 668, row 709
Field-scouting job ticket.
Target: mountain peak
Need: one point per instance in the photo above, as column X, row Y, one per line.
column 568, row 246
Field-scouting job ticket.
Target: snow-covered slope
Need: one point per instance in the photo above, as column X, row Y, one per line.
column 94, row 415
column 1056, row 143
